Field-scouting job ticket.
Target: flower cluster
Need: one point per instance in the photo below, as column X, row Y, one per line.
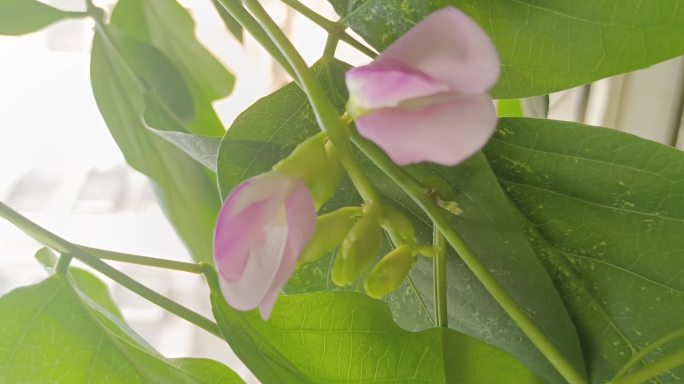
column 423, row 99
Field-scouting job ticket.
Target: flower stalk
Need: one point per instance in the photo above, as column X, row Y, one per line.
column 65, row 247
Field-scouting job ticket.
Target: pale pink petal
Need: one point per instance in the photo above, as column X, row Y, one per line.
column 266, row 254
column 444, row 133
column 451, row 48
column 381, row 86
column 233, row 237
column 248, row 207
column 301, row 223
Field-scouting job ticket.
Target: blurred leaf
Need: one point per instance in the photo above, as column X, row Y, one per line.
column 233, row 26
column 509, row 108
column 126, row 89
column 343, row 337
column 18, row 17
column 201, row 148
column 273, row 126
column 605, row 212
column 57, row 334
column 47, row 258
column 94, row 291
column 207, row 371
column 167, row 26
column 544, row 46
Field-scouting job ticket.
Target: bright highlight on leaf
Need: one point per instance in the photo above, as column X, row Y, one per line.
column 264, row 225
column 424, row 98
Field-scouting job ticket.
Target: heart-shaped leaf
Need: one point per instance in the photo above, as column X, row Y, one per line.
column 342, row 337
column 53, row 332
column 605, row 212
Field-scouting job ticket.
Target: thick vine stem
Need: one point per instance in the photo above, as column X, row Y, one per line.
column 235, row 9
column 439, row 272
column 64, row 247
column 337, row 131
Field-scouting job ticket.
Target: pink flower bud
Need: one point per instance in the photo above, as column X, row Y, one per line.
column 261, row 231
column 424, row 98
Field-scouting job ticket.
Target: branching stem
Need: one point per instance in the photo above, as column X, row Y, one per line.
column 64, row 247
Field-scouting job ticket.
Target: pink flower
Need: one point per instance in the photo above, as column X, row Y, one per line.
column 261, row 230
column 424, row 98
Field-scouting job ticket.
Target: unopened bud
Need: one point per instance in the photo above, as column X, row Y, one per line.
column 358, row 251
column 331, row 229
column 400, row 223
column 317, row 165
column 390, row 272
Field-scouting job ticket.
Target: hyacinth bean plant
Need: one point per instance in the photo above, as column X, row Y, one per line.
column 379, row 223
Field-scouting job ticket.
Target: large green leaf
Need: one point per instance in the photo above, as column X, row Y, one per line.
column 272, row 127
column 343, row 337
column 18, row 17
column 132, row 79
column 605, row 211
column 204, row 149
column 169, row 27
column 53, row 333
column 544, row 45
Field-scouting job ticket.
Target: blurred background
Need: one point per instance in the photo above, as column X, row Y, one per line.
column 60, row 166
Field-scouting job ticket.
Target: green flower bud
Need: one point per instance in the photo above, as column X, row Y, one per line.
column 331, row 229
column 400, row 223
column 315, row 162
column 390, row 272
column 358, row 251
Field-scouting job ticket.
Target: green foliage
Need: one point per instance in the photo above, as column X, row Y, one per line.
column 544, row 46
column 605, row 213
column 342, row 337
column 18, row 17
column 138, row 72
column 273, row 126
column 63, row 334
column 203, row 149
column 231, row 24
column 167, row 26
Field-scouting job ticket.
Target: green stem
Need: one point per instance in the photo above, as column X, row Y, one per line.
column 76, row 14
column 63, row 263
column 498, row 292
column 143, row 260
column 330, row 46
column 439, row 277
column 333, row 28
column 338, row 132
column 650, row 348
column 326, row 114
column 252, row 26
column 652, row 370
column 62, row 246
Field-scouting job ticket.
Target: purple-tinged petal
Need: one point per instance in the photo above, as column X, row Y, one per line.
column 234, row 236
column 301, row 223
column 249, row 206
column 449, row 47
column 266, row 254
column 445, row 133
column 388, row 85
